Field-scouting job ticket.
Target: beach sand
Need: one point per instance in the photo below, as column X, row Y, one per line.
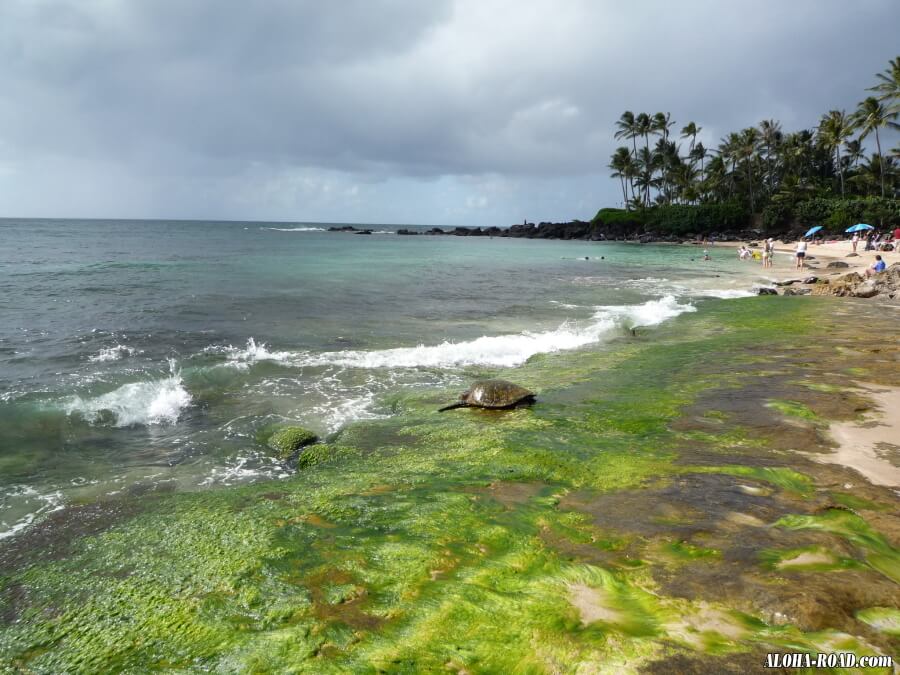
column 871, row 446
column 818, row 256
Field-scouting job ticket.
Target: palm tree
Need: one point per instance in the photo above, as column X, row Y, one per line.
column 691, row 130
column 646, row 165
column 628, row 128
column 698, row 152
column 716, row 176
column 644, row 127
column 728, row 151
column 660, row 124
column 869, row 117
column 855, row 151
column 834, row 129
column 771, row 138
column 889, row 86
column 620, row 160
column 746, row 151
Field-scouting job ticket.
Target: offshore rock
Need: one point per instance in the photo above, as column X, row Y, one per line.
column 797, row 291
column 836, row 264
column 766, row 291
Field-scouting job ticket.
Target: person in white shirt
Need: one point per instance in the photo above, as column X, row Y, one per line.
column 800, row 253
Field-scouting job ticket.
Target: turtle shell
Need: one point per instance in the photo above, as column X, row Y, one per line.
column 496, row 394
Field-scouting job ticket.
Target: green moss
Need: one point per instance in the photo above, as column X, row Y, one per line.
column 884, row 619
column 794, row 409
column 287, row 440
column 853, row 501
column 319, row 453
column 780, row 476
column 687, row 551
column 879, row 554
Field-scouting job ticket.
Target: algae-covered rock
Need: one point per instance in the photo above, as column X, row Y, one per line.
column 287, row 440
column 319, row 453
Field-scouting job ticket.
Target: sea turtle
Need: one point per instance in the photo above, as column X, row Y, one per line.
column 492, row 394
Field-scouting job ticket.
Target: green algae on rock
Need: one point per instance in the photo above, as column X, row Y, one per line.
column 285, row 441
column 884, row 619
column 559, row 539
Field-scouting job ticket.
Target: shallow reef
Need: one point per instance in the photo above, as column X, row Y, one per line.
column 658, row 510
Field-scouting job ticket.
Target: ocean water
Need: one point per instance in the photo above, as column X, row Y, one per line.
column 139, row 354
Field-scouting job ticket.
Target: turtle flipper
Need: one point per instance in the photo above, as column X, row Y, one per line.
column 458, row 404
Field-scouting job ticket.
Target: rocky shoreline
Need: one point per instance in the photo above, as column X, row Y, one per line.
column 841, row 283
column 576, row 229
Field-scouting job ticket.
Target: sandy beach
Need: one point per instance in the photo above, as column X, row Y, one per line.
column 818, row 256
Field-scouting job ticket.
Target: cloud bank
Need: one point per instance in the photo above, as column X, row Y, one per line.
column 449, row 111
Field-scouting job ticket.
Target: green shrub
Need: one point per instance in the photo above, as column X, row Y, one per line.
column 617, row 217
column 701, row 219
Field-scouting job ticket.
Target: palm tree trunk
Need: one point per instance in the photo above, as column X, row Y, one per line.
column 840, row 169
column 880, row 161
column 624, row 193
column 750, row 184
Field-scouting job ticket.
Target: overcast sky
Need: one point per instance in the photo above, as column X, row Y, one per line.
column 472, row 112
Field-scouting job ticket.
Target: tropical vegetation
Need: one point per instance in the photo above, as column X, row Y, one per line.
column 833, row 173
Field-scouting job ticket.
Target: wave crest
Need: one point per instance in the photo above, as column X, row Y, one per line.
column 503, row 351
column 138, row 403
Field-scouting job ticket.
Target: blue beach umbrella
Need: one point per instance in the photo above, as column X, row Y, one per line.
column 859, row 227
column 812, row 231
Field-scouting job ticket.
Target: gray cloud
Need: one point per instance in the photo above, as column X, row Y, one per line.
column 472, row 111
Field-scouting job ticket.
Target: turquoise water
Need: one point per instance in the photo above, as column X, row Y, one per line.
column 149, row 353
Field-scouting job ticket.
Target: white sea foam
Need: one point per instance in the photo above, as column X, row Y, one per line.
column 139, row 403
column 650, row 313
column 295, row 229
column 242, row 470
column 40, row 505
column 723, row 293
column 504, row 350
column 494, row 350
column 113, row 353
column 252, row 353
column 337, row 414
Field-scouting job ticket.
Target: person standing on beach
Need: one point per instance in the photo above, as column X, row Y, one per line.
column 896, row 238
column 768, row 252
column 801, row 253
column 855, row 240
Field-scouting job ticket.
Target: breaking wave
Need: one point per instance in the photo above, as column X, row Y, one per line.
column 138, row 403
column 497, row 350
column 295, row 229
